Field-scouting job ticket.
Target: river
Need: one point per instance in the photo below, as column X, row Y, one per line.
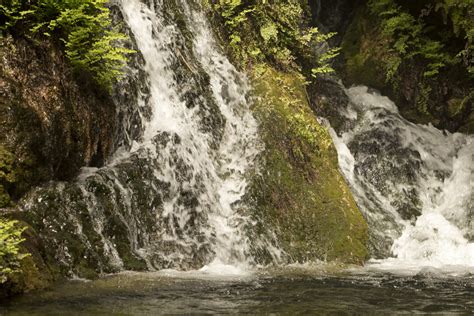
column 289, row 291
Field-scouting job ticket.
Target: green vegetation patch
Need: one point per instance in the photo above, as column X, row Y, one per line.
column 10, row 255
column 420, row 54
column 83, row 27
column 300, row 191
column 276, row 32
column 364, row 50
column 412, row 33
column 7, row 175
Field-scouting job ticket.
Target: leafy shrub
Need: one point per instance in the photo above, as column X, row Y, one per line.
column 275, row 31
column 10, row 256
column 461, row 15
column 83, row 26
column 10, row 13
column 410, row 35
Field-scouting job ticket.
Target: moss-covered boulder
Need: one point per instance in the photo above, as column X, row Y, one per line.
column 300, row 193
column 7, row 175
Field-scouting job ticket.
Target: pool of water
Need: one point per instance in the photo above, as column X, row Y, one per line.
column 286, row 291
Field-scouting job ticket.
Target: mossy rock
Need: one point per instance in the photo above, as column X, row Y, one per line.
column 300, row 192
column 7, row 175
column 468, row 128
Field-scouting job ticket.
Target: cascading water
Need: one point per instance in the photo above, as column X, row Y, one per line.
column 172, row 199
column 222, row 171
column 170, row 196
column 414, row 184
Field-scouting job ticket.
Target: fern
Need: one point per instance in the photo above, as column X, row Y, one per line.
column 10, row 256
column 409, row 35
column 260, row 30
column 84, row 26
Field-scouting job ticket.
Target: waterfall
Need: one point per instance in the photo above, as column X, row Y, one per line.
column 220, row 171
column 414, row 184
column 172, row 198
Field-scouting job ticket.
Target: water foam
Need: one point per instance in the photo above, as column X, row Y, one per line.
column 413, row 183
column 221, row 172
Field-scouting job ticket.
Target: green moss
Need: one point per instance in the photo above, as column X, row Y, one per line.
column 468, row 128
column 300, row 191
column 28, row 278
column 455, row 106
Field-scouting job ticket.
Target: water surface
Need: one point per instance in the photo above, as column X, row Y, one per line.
column 283, row 292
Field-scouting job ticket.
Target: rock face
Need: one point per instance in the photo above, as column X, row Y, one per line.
column 50, row 124
column 300, row 193
column 333, row 16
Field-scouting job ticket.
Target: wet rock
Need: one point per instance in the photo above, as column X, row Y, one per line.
column 380, row 158
column 299, row 193
column 52, row 123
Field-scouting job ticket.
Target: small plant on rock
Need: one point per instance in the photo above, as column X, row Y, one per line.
column 10, row 255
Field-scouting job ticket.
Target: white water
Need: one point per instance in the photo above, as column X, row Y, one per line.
column 383, row 144
column 220, row 173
